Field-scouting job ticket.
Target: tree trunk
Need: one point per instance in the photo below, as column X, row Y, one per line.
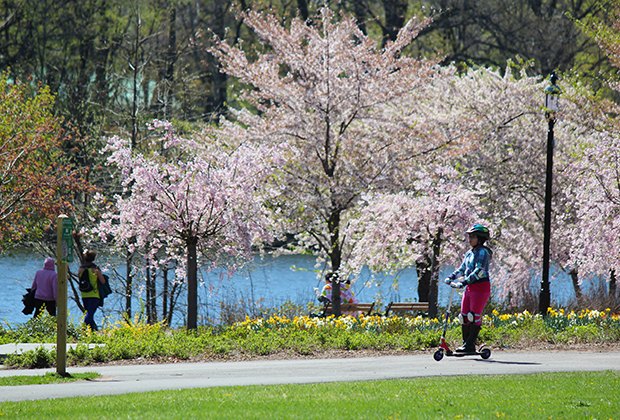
column 171, row 57
column 164, row 293
column 536, row 6
column 77, row 243
column 436, row 251
column 360, row 12
column 613, row 284
column 194, row 24
column 147, row 301
column 424, row 278
column 192, row 283
column 128, row 285
column 76, row 104
column 218, row 79
column 136, row 65
column 102, row 56
column 335, row 257
column 76, row 294
column 395, row 11
column 172, row 302
column 574, row 276
column 151, row 295
column 302, row 5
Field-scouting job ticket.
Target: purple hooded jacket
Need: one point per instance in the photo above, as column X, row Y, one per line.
column 45, row 281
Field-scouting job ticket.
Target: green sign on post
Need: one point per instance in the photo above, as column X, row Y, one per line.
column 67, row 240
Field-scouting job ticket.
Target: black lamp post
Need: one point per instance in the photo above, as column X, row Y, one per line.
column 552, row 95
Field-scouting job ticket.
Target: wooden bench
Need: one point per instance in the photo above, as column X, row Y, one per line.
column 365, row 308
column 400, row 307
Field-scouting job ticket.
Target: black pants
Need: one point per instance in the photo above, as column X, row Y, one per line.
column 50, row 305
column 91, row 305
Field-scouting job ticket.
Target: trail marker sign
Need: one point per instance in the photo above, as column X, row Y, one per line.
column 67, row 240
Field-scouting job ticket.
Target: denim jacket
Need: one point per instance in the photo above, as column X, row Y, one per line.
column 475, row 266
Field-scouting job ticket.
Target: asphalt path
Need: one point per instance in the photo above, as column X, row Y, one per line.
column 123, row 379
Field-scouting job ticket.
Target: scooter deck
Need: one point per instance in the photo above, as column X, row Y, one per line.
column 459, row 354
column 483, row 352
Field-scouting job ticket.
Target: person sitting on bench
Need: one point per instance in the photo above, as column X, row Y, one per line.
column 346, row 294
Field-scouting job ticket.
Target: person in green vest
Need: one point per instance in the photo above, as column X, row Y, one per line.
column 91, row 298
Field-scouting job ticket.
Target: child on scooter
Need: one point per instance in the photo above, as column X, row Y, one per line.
column 473, row 274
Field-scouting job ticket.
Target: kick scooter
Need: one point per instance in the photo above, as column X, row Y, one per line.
column 444, row 349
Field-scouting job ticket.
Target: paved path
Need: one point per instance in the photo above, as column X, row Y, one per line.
column 141, row 378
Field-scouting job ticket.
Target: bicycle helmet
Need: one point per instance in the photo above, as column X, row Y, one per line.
column 480, row 231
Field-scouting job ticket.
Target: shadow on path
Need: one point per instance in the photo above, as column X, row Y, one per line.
column 504, row 362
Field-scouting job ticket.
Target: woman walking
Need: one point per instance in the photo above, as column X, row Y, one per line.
column 45, row 286
column 90, row 295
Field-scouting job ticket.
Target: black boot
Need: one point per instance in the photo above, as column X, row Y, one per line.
column 466, row 330
column 470, row 344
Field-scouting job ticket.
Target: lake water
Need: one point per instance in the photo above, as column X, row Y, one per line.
column 267, row 282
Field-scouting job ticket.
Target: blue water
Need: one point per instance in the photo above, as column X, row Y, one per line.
column 265, row 283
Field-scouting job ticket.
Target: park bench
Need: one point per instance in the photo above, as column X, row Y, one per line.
column 401, row 307
column 364, row 308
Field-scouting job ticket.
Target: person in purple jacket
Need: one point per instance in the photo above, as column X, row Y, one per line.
column 45, row 286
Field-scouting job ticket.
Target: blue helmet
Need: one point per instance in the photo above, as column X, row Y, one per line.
column 480, row 231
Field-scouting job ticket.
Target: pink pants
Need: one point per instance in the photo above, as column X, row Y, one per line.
column 474, row 300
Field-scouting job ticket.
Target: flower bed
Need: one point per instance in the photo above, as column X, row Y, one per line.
column 303, row 335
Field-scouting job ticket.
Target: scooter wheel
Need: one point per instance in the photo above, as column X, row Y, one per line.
column 485, row 353
column 438, row 355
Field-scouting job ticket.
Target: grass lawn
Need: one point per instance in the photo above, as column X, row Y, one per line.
column 48, row 378
column 549, row 395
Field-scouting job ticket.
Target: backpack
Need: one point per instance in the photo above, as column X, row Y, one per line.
column 84, row 282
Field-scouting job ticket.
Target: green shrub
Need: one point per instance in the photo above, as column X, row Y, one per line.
column 32, row 359
column 80, row 355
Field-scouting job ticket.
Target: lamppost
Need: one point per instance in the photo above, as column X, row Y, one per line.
column 552, row 96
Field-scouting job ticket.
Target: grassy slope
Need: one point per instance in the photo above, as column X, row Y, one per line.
column 557, row 395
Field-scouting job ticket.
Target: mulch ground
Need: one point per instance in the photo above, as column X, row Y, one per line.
column 339, row 354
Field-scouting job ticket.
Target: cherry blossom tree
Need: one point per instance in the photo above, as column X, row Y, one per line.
column 421, row 227
column 200, row 201
column 336, row 98
column 488, row 172
column 509, row 165
column 499, row 161
column 596, row 234
column 595, row 247
column 362, row 123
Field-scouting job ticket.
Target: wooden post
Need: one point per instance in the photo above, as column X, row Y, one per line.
column 64, row 249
